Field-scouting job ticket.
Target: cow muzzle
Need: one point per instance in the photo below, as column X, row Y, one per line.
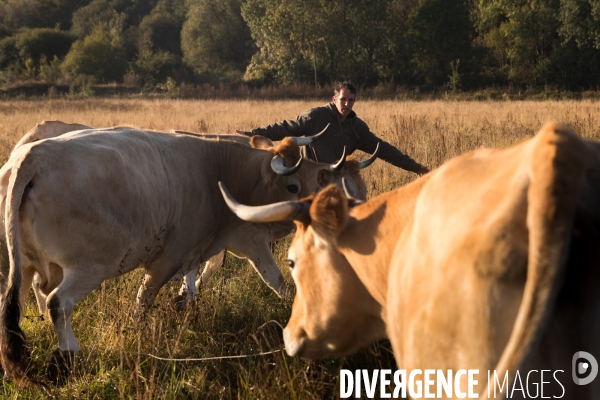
column 294, row 344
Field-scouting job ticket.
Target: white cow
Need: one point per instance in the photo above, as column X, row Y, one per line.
column 43, row 130
column 249, row 241
column 90, row 205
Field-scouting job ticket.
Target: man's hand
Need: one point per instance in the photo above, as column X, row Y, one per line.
column 423, row 170
column 245, row 133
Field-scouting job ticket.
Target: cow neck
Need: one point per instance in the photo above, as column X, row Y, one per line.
column 372, row 233
column 241, row 170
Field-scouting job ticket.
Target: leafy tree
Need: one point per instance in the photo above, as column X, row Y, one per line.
column 359, row 32
column 154, row 67
column 579, row 30
column 440, row 33
column 5, row 31
column 160, row 31
column 33, row 44
column 49, row 71
column 96, row 12
column 55, row 13
column 523, row 36
column 580, row 22
column 135, row 10
column 100, row 55
column 215, row 39
column 291, row 37
column 179, row 9
column 39, row 13
column 17, row 14
column 317, row 40
column 9, row 53
column 393, row 54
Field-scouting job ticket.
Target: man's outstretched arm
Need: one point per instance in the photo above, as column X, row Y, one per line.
column 389, row 153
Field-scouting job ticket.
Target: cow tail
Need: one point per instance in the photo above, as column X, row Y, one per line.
column 556, row 165
column 13, row 350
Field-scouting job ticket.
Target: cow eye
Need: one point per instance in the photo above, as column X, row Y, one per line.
column 290, row 263
column 292, row 188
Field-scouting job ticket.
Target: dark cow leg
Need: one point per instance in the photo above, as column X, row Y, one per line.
column 60, row 304
column 61, row 361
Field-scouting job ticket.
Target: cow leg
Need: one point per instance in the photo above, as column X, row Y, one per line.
column 40, row 297
column 61, row 301
column 187, row 292
column 42, row 288
column 260, row 257
column 149, row 289
column 263, row 262
column 209, row 269
column 25, row 286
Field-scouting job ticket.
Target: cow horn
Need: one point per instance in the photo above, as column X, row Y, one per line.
column 337, row 167
column 280, row 169
column 283, row 211
column 349, row 193
column 303, row 141
column 369, row 161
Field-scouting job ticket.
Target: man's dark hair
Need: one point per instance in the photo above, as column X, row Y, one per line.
column 346, row 85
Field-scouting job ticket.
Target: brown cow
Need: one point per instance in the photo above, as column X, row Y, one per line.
column 489, row 263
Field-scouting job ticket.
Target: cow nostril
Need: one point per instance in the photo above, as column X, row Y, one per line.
column 292, row 188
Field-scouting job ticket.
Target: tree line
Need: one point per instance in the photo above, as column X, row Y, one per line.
column 425, row 44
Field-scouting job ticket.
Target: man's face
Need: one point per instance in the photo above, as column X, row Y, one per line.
column 344, row 102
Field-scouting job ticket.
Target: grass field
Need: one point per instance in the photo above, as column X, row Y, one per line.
column 236, row 314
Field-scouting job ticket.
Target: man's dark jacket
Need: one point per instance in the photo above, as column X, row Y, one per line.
column 352, row 133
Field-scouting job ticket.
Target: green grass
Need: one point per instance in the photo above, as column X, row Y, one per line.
column 235, row 315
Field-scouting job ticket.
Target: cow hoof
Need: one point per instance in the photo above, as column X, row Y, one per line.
column 59, row 366
column 139, row 314
column 181, row 302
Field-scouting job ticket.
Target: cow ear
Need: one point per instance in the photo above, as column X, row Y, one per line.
column 324, row 177
column 260, row 142
column 329, row 212
column 288, row 149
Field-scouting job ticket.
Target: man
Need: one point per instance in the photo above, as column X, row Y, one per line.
column 345, row 129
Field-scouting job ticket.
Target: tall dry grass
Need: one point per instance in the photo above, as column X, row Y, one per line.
column 236, row 314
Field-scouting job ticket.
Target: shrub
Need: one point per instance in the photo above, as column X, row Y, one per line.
column 49, row 71
column 100, row 55
column 153, row 67
column 85, row 18
column 33, row 44
column 160, row 31
column 9, row 53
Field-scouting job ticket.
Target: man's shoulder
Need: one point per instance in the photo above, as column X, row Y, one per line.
column 320, row 109
column 358, row 123
column 319, row 112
